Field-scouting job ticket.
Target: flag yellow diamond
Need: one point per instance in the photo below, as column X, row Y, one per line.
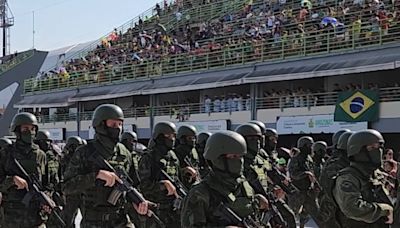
column 356, row 105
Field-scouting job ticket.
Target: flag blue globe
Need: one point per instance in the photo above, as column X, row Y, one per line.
column 356, row 105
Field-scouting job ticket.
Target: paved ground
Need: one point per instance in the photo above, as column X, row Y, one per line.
column 78, row 219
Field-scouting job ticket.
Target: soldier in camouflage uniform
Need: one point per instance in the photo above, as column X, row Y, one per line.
column 14, row 187
column 332, row 167
column 202, row 207
column 83, row 176
column 318, row 154
column 202, row 138
column 269, row 158
column 301, row 172
column 4, row 144
column 153, row 185
column 72, row 201
column 186, row 152
column 52, row 171
column 335, row 141
column 359, row 195
column 129, row 140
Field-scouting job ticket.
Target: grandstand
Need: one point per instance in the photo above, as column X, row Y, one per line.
column 262, row 59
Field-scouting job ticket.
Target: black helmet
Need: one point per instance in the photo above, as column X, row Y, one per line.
column 164, row 127
column 203, row 137
column 186, row 130
column 270, row 132
column 343, row 139
column 23, row 118
column 249, row 129
column 129, row 135
column 336, row 136
column 4, row 142
column 363, row 138
column 319, row 146
column 43, row 135
column 305, row 141
column 260, row 124
column 224, row 142
column 74, row 141
column 106, row 112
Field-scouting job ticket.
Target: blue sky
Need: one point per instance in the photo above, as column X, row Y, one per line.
column 59, row 23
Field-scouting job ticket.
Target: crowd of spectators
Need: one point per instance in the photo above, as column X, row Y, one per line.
column 259, row 22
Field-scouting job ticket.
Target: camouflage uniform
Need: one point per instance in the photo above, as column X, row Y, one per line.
column 33, row 161
column 149, row 172
column 201, row 207
column 202, row 138
column 306, row 197
column 360, row 196
column 81, row 172
column 72, row 202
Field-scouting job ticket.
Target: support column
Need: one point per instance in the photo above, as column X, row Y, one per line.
column 253, row 96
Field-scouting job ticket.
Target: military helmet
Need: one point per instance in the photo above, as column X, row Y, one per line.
column 336, row 136
column 129, row 135
column 23, row 118
column 164, row 127
column 305, row 141
column 203, row 137
column 271, row 132
column 4, row 142
column 343, row 139
column 74, row 140
column 362, row 138
column 186, row 130
column 319, row 145
column 260, row 124
column 249, row 129
column 43, row 135
column 106, row 112
column 224, row 142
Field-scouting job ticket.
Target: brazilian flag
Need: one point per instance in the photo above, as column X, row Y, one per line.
column 357, row 106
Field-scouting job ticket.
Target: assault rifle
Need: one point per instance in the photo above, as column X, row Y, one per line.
column 273, row 215
column 35, row 191
column 229, row 215
column 180, row 188
column 131, row 193
column 278, row 178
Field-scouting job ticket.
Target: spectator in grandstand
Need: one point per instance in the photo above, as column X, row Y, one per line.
column 217, row 104
column 248, row 102
column 207, row 104
column 240, row 102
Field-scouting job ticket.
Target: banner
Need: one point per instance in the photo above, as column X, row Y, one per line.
column 315, row 124
column 208, row 126
column 57, row 134
column 357, row 106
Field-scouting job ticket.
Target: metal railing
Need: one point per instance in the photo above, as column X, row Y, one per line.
column 11, row 63
column 286, row 47
column 183, row 112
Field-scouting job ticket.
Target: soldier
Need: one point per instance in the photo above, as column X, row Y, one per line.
column 330, row 170
column 335, row 140
column 15, row 187
column 82, row 173
column 129, row 140
column 154, row 186
column 271, row 140
column 202, row 138
column 272, row 173
column 318, row 154
column 187, row 154
column 301, row 172
column 4, row 145
column 203, row 205
column 44, row 141
column 72, row 201
column 359, row 195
